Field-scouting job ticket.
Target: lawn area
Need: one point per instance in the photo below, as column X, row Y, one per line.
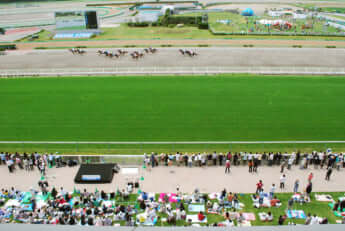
column 334, row 9
column 184, row 108
column 238, row 23
column 320, row 209
column 339, row 17
column 165, row 33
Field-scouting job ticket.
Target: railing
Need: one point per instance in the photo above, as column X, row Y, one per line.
column 172, row 70
column 118, row 148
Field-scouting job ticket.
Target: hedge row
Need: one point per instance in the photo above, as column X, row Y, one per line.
column 8, row 46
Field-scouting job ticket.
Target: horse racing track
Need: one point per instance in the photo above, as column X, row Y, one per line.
column 173, row 58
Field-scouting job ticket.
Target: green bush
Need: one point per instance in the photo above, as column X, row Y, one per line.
column 41, row 48
column 2, row 31
column 8, row 46
column 203, row 45
column 171, row 25
column 81, row 47
column 138, row 24
column 248, row 45
column 297, row 46
column 203, row 26
column 129, row 46
column 331, row 47
column 186, row 20
column 166, row 45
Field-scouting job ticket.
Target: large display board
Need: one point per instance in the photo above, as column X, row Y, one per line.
column 76, row 20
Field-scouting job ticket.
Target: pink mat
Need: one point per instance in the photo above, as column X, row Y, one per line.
column 172, row 197
column 249, row 216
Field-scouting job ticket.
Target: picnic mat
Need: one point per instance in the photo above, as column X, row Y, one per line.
column 249, row 216
column 245, row 224
column 297, row 214
column 323, row 197
column 213, row 196
column 12, row 203
column 194, row 219
column 172, row 197
column 142, row 219
column 196, row 208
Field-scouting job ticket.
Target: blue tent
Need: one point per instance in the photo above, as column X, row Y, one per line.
column 248, row 12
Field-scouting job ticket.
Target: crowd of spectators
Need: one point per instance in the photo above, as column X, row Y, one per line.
column 253, row 160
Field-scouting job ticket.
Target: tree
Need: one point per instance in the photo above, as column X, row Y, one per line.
column 2, row 30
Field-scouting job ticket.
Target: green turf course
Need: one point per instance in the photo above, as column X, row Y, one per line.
column 166, row 108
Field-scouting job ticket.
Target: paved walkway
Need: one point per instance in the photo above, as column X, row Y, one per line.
column 165, row 179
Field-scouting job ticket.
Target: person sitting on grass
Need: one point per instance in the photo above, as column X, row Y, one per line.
column 290, row 203
column 201, row 216
column 308, row 219
column 229, row 223
column 336, row 206
column 275, row 202
column 269, row 216
column 281, row 219
column 240, row 219
column 324, row 221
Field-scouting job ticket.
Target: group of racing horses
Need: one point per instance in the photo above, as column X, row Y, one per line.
column 77, row 51
column 190, row 53
column 135, row 54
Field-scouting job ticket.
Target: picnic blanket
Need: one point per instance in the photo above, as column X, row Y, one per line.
column 249, row 216
column 296, row 196
column 196, row 208
column 194, row 219
column 143, row 219
column 263, row 216
column 245, row 224
column 297, row 214
column 212, row 211
column 108, row 203
column 12, row 203
column 172, row 197
column 26, row 197
column 26, row 207
column 324, row 197
column 213, row 196
column 40, row 204
column 339, row 214
column 41, row 197
column 146, row 196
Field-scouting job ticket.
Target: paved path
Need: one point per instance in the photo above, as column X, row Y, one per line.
column 165, row 179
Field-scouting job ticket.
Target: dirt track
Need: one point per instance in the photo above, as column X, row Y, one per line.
column 171, row 57
column 182, row 42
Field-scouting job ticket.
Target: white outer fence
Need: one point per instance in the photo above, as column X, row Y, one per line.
column 131, row 147
column 171, row 70
column 175, row 142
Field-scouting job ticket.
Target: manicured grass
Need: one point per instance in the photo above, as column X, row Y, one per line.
column 238, row 23
column 197, row 108
column 338, row 16
column 165, row 33
column 320, row 209
column 333, row 9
